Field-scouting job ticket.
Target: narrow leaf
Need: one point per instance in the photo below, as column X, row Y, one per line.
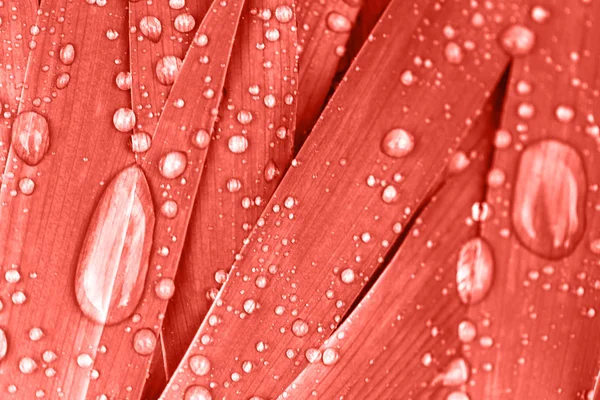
column 538, row 327
column 241, row 170
column 308, row 245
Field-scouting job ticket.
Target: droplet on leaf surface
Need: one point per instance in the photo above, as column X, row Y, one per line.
column 113, row 262
column 197, row 393
column 30, row 137
column 167, row 69
column 474, row 271
column 398, row 143
column 172, row 164
column 151, row 27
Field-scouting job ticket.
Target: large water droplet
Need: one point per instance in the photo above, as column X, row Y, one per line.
column 330, row 356
column 30, row 137
column 27, row 365
column 474, row 271
column 172, row 164
column 184, row 23
column 114, row 257
column 197, row 393
column 167, row 69
column 151, row 28
column 284, row 14
column 144, row 342
column 199, row 365
column 237, row 144
column 338, row 22
column 67, row 54
column 517, row 40
column 548, row 211
column 397, row 143
column 124, row 119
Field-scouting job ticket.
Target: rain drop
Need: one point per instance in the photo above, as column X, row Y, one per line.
column 199, row 365
column 169, row 209
column 284, row 14
column 84, row 360
column 26, row 186
column 30, row 137
column 140, row 142
column 165, row 288
column 299, row 328
column 184, row 23
column 330, row 356
column 124, row 80
column 474, row 271
column 201, row 139
column 124, row 119
column 197, row 393
column 144, row 342
column 517, row 40
column 27, row 365
column 397, row 143
column 67, row 54
column 338, row 23
column 151, row 28
column 172, row 164
column 167, row 69
column 237, row 144
column 453, row 53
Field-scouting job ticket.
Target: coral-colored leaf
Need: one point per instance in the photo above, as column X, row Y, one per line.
column 540, row 318
column 259, row 103
column 332, row 218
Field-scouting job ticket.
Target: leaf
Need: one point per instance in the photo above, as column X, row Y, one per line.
column 402, row 336
column 236, row 185
column 331, row 220
column 14, row 36
column 325, row 28
column 45, row 231
column 539, row 315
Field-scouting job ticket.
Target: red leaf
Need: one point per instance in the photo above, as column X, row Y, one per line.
column 306, row 244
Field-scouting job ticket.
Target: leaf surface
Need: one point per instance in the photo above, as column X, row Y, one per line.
column 335, row 213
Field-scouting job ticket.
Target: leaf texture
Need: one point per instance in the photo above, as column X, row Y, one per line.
column 307, row 246
column 259, row 103
column 539, row 315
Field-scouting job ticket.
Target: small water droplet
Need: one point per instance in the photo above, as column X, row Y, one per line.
column 453, row 53
column 36, row 334
column 140, row 142
column 564, row 113
column 124, row 80
column 517, row 40
column 456, row 373
column 397, row 143
column 502, row 139
column 299, row 328
column 67, row 54
column 237, row 144
column 250, row 306
column 176, row 4
column 165, row 288
column 26, row 186
column 458, row 396
column 169, row 209
column 467, row 331
column 244, row 117
column 539, row 14
column 272, row 35
column 172, row 164
column 30, row 137
column 233, row 185
column 348, row 276
column 184, row 23
column 167, row 69
column 197, row 393
column 151, row 27
column 474, row 271
column 85, row 360
column 284, row 14
column 389, row 194
column 62, row 80
column 313, row 355
column 338, row 22
column 144, row 342
column 124, row 119
column 199, row 365
column 548, row 210
column 330, row 356
column 201, row 39
column 27, row 365
column 112, row 34
column 407, row 78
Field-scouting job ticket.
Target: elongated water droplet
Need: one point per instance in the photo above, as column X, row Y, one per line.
column 114, row 257
column 30, row 137
column 67, row 54
column 474, row 271
column 151, row 28
column 200, row 365
column 3, row 344
column 456, row 373
column 62, row 80
column 167, row 69
column 338, row 22
column 172, row 164
column 548, row 213
column 517, row 40
column 197, row 393
column 397, row 143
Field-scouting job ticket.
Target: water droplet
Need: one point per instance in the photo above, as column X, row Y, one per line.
column 338, row 22
column 26, row 186
column 564, row 113
column 237, row 144
column 172, row 164
column 330, row 356
column 348, row 276
column 244, row 117
column 85, row 360
column 517, row 40
column 272, row 35
column 502, row 139
column 474, row 271
column 140, row 142
column 12, row 276
column 124, row 119
column 114, row 257
column 397, row 143
column 169, row 209
column 250, row 306
column 201, row 139
column 124, row 80
column 27, row 365
column 176, row 4
column 526, row 110
column 184, row 23
column 201, row 39
column 269, row 101
column 199, row 365
column 3, row 344
column 49, row 356
column 151, row 28
column 407, row 78
column 36, row 334
column 234, row 185
column 312, row 355
column 165, row 288
column 30, row 137
column 453, row 53
column 197, row 393
column 299, row 328
column 456, row 373
column 595, row 246
column 167, row 69
column 144, row 342
column 284, row 14
column 458, row 396
column 389, row 194
column 467, row 331
column 539, row 14
column 67, row 54
column 62, row 80
column 112, row 34
column 548, row 212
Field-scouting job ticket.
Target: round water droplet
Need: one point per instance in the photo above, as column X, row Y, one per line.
column 201, row 139
column 595, row 246
column 140, row 142
column 200, row 40
column 549, row 199
column 312, row 355
column 144, row 342
column 244, row 117
column 299, row 328
column 347, row 276
column 269, row 101
column 397, row 143
column 3, row 344
column 330, row 356
column 502, row 139
column 167, row 69
column 338, row 22
column 176, row 4
column 124, row 80
column 453, row 53
column 124, row 119
column 27, row 365
column 172, row 164
column 30, row 137
column 458, row 396
column 197, row 393
column 564, row 113
column 151, row 28
column 67, row 54
column 169, row 209
column 84, row 360
column 112, row 34
column 26, row 186
column 184, row 23
column 389, row 194
column 35, row 334
column 407, row 78
column 250, row 306
column 233, row 185
column 467, row 331
column 474, row 271
column 517, row 40
column 237, row 144
column 62, row 80
column 165, row 288
column 539, row 14
column 284, row 14
column 199, row 365
column 272, row 35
